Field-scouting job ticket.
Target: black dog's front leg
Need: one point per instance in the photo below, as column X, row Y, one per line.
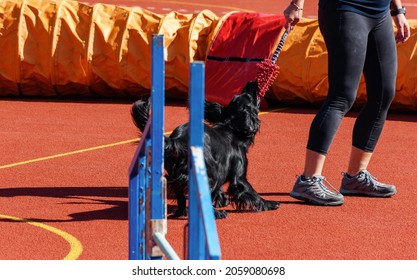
column 220, row 214
column 219, row 198
column 245, row 198
column 182, row 206
column 182, row 210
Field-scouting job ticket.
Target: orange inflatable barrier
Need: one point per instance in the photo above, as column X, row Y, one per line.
column 65, row 47
column 68, row 48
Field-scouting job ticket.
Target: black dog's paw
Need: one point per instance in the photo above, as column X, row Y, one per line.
column 265, row 205
column 271, row 205
column 248, row 203
column 221, row 201
column 220, row 214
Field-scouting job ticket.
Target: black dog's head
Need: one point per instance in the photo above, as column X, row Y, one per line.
column 240, row 115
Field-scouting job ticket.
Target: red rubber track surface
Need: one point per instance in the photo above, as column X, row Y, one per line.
column 63, row 170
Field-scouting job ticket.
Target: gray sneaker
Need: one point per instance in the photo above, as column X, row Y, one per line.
column 313, row 190
column 364, row 184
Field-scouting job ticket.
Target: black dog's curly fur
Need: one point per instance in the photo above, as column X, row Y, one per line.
column 226, row 143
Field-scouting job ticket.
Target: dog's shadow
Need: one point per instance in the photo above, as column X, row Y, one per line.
column 172, row 207
column 282, row 194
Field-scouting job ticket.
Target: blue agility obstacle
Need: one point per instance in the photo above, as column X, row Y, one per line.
column 147, row 185
column 202, row 235
column 147, row 214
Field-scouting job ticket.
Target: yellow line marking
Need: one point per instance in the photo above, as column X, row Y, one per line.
column 97, row 147
column 69, row 153
column 76, row 248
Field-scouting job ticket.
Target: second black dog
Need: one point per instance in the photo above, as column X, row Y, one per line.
column 226, row 144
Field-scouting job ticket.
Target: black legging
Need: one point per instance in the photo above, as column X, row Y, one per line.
column 355, row 44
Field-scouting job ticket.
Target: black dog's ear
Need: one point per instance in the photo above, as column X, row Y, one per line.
column 140, row 112
column 213, row 112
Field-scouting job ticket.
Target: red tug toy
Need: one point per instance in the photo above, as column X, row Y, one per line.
column 268, row 70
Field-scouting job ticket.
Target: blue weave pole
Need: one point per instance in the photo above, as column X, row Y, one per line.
column 203, row 242
column 158, row 191
column 138, row 181
column 146, row 171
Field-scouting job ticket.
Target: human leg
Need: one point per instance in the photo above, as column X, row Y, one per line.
column 359, row 160
column 314, row 163
column 380, row 75
column 345, row 35
column 380, row 71
column 358, row 181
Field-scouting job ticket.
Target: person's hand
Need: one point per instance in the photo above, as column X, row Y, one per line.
column 293, row 14
column 403, row 32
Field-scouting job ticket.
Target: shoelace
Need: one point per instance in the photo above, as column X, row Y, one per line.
column 320, row 180
column 324, row 179
column 370, row 179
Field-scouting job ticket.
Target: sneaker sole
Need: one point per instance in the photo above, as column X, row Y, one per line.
column 368, row 194
column 311, row 200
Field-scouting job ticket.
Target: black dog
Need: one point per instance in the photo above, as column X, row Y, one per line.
column 226, row 143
